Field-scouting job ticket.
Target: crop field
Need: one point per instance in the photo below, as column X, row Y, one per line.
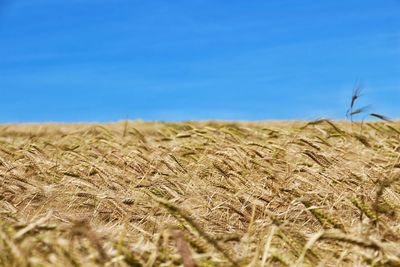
column 321, row 193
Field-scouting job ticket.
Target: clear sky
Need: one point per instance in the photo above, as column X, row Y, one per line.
column 106, row 60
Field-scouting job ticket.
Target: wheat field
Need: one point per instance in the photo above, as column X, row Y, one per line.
column 321, row 193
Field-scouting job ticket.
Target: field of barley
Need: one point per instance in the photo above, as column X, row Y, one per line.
column 321, row 193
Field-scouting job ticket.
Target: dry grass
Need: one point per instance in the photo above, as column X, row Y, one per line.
column 200, row 194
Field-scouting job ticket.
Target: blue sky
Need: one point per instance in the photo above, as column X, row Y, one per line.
column 107, row 60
